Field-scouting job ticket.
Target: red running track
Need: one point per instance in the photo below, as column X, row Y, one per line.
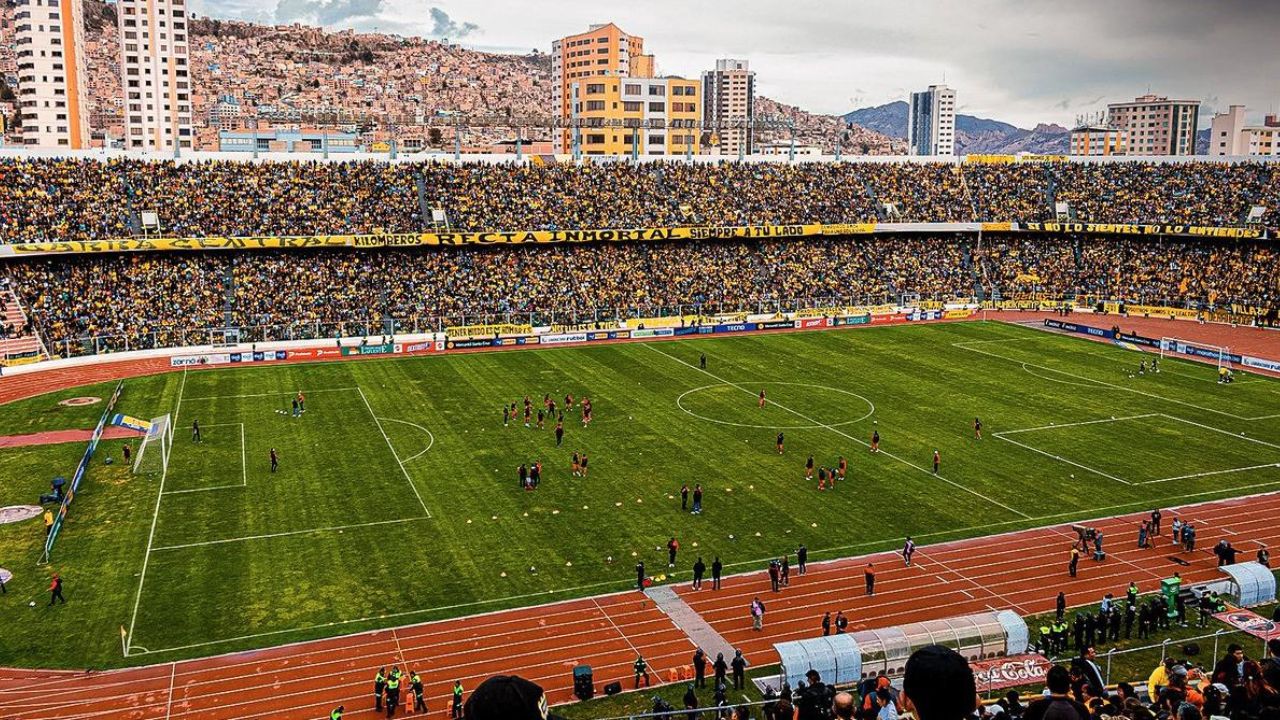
column 54, row 437
column 1021, row 570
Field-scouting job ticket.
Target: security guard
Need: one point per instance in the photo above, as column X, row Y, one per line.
column 1060, row 630
column 1047, row 640
column 379, row 686
column 642, row 668
column 336, row 713
column 393, row 692
column 456, row 711
column 415, row 684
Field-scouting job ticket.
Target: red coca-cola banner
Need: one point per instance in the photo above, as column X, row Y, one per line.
column 1011, row 671
column 1250, row 622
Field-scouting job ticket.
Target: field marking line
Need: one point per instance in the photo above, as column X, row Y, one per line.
column 1120, row 387
column 615, row 627
column 1220, row 430
column 224, row 541
column 394, row 454
column 399, row 650
column 1083, row 516
column 155, row 516
column 244, row 467
column 1211, row 472
column 977, row 585
column 842, row 433
column 168, row 703
column 270, row 394
column 1033, row 373
column 1076, row 424
column 430, row 434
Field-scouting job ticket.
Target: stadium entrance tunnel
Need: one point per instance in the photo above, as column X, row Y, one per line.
column 787, row 405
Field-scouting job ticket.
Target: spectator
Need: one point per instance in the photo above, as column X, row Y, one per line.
column 938, row 684
column 1058, row 704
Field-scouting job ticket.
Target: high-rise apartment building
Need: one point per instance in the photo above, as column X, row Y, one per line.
column 1157, row 125
column 155, row 74
column 605, row 82
column 1230, row 136
column 931, row 122
column 49, row 44
column 728, row 98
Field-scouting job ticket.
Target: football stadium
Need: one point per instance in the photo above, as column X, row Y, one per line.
column 618, row 434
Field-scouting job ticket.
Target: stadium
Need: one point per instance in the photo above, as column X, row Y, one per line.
column 733, row 348
column 352, row 374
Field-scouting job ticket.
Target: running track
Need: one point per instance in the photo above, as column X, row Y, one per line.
column 1021, row 570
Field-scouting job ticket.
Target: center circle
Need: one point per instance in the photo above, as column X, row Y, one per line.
column 786, row 404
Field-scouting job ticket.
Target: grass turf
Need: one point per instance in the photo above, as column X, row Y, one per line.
column 397, row 499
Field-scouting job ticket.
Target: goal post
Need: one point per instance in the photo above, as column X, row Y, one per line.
column 153, row 452
column 1219, row 355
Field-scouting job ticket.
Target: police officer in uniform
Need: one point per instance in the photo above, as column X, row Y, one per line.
column 457, row 699
column 379, row 686
column 393, row 692
column 415, row 684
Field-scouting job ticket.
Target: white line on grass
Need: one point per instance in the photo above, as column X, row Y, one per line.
column 430, row 442
column 151, row 536
column 1241, row 436
column 1060, row 459
column 843, row 434
column 1075, row 424
column 394, row 454
column 332, row 528
column 1212, row 472
column 270, row 394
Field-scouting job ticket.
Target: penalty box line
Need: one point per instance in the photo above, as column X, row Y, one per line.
column 841, row 433
column 1002, row 435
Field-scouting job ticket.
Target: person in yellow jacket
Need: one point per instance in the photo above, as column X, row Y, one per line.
column 1159, row 678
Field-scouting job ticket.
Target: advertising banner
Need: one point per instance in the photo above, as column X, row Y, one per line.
column 1250, row 622
column 199, row 360
column 467, row 343
column 133, row 423
column 1011, row 671
column 312, row 353
column 563, row 338
column 809, row 323
column 655, row 332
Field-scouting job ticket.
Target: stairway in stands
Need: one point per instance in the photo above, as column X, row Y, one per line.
column 27, row 344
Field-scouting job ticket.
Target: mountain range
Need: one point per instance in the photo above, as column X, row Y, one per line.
column 974, row 135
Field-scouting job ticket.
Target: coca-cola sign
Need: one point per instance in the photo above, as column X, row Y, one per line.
column 1011, row 671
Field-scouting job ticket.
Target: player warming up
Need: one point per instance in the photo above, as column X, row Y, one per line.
column 977, row 429
column 908, row 550
column 808, row 468
column 875, row 441
column 761, row 402
column 779, row 443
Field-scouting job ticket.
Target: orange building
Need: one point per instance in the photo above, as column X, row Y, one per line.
column 605, row 81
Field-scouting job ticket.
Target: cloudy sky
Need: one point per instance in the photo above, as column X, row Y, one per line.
column 1022, row 61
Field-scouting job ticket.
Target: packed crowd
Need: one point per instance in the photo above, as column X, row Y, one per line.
column 73, row 199
column 145, row 300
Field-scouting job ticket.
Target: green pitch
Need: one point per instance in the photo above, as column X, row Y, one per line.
column 397, row 497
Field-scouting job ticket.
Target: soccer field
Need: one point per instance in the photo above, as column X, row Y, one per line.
column 397, row 498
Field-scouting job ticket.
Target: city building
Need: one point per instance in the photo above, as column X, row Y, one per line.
column 781, row 147
column 728, row 98
column 1231, row 136
column 931, row 122
column 226, row 113
column 603, row 81
column 289, row 141
column 1096, row 139
column 49, row 44
column 1157, row 125
column 155, row 74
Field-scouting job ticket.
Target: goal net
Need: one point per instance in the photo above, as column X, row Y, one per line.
column 1177, row 347
column 153, row 453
